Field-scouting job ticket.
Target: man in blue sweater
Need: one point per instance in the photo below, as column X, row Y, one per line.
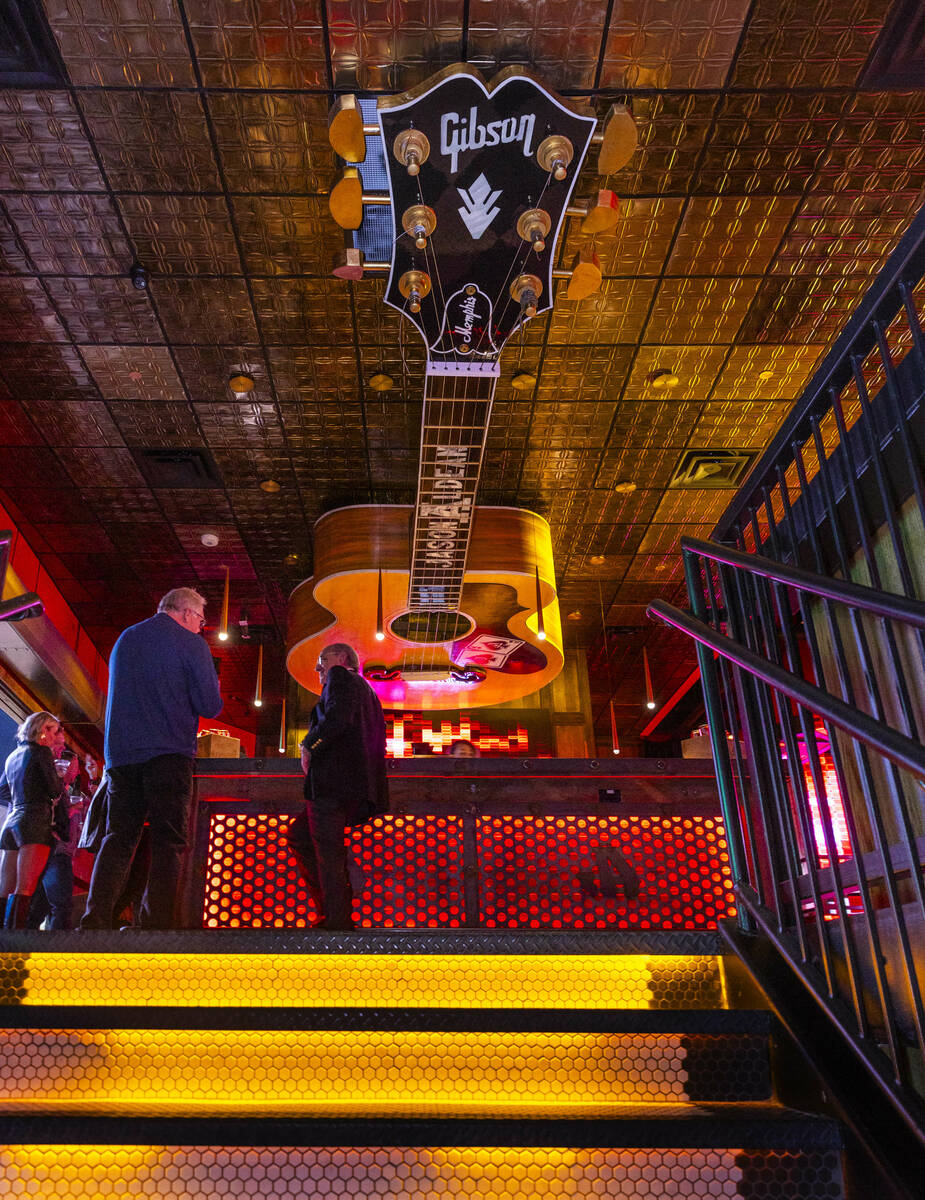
column 161, row 681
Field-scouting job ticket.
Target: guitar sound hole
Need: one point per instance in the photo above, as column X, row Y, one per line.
column 430, row 625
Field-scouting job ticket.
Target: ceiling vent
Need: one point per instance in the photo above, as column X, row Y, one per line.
column 712, row 468
column 194, row 468
column 898, row 60
column 28, row 54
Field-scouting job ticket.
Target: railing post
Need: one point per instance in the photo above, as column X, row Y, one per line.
column 720, row 746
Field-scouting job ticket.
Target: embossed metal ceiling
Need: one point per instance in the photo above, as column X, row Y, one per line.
column 190, row 136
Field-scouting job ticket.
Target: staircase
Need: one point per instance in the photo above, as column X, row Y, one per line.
column 391, row 1064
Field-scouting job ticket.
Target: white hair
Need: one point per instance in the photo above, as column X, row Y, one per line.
column 30, row 730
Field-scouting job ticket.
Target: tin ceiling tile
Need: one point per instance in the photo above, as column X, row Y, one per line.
column 38, row 371
column 807, row 43
column 156, row 424
column 677, row 504
column 747, row 425
column 118, row 42
column 640, row 242
column 302, row 311
column 133, row 372
column 74, row 423
column 286, row 235
column 379, row 322
column 190, row 505
column 103, row 309
column 616, row 312
column 26, row 314
column 403, row 363
column 312, row 426
column 69, row 233
column 279, row 44
column 43, row 146
column 787, row 370
column 89, row 538
column 558, row 39
column 730, row 235
column 243, row 467
column 182, row 235
column 665, row 567
column 802, row 309
column 377, row 48
column 151, row 140
column 695, row 366
column 689, row 44
column 245, row 424
column 152, row 540
column 308, row 373
column 845, row 234
column 879, row 145
column 673, row 128
column 566, row 423
column 54, row 503
column 647, row 467
column 206, row 371
column 114, row 505
column 608, row 506
column 15, row 427
column 653, row 423
column 665, row 539
column 563, row 467
column 205, row 311
column 113, row 464
column 273, row 142
column 768, row 142
column 586, row 373
column 611, row 542
column 13, row 260
column 642, row 592
column 699, row 310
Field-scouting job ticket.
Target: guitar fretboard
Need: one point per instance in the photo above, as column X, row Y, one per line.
column 457, row 408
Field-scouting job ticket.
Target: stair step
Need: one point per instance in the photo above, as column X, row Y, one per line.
column 373, row 1072
column 764, row 1156
column 384, row 970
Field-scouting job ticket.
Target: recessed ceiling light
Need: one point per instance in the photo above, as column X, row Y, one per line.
column 765, row 374
column 574, row 615
column 241, row 383
column 381, row 383
column 291, row 560
column 209, row 539
column 624, row 487
column 270, row 485
column 523, row 381
column 663, row 378
column 597, row 560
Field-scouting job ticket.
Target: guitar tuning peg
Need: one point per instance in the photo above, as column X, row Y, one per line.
column 603, row 213
column 619, row 141
column 346, row 200
column 419, row 222
column 586, row 275
column 526, row 291
column 554, row 155
column 533, row 226
column 349, row 263
column 411, row 148
column 414, row 286
column 345, row 129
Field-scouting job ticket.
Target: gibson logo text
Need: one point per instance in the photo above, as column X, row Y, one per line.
column 458, row 134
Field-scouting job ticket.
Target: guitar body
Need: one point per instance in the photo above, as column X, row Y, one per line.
column 489, row 653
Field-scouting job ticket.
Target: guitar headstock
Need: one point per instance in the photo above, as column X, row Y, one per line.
column 480, row 178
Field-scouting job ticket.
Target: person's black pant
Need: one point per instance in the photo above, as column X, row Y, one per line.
column 158, row 791
column 54, row 897
column 316, row 838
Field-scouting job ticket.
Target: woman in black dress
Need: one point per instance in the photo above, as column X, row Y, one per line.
column 30, row 783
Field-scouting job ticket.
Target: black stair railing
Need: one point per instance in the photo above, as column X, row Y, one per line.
column 807, row 608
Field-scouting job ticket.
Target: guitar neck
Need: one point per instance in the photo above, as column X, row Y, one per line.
column 457, row 408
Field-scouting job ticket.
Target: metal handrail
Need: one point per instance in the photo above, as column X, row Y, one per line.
column 892, row 745
column 882, row 604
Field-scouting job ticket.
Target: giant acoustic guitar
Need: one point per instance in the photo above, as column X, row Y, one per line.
column 448, row 603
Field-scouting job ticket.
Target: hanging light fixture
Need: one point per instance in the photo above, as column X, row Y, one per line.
column 380, row 631
column 223, row 624
column 540, row 624
column 258, row 690
column 650, row 696
column 282, row 729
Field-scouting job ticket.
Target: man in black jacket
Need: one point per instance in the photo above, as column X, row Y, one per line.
column 343, row 756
